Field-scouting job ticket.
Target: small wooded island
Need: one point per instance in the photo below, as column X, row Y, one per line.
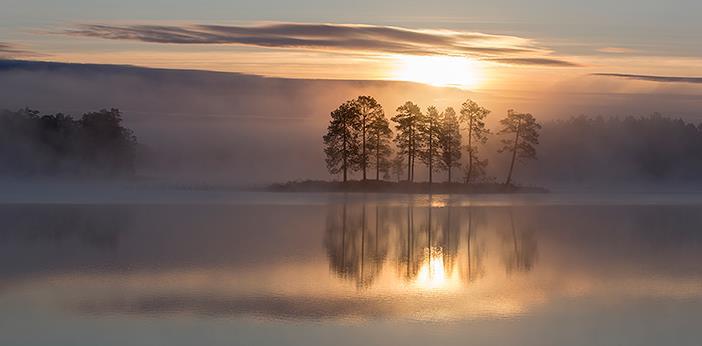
column 359, row 140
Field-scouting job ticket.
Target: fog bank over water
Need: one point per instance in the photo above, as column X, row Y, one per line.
column 228, row 128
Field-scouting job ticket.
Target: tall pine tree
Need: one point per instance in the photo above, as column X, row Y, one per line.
column 429, row 135
column 342, row 141
column 450, row 141
column 473, row 115
column 408, row 122
column 523, row 132
column 379, row 138
column 369, row 111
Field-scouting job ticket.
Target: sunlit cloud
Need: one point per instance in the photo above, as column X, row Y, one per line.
column 349, row 38
column 662, row 79
column 534, row 62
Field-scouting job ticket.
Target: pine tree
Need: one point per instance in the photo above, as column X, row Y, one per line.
column 341, row 141
column 369, row 110
column 408, row 121
column 379, row 138
column 473, row 115
column 449, row 141
column 525, row 129
column 429, row 133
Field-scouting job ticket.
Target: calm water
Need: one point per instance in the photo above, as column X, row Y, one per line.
column 359, row 270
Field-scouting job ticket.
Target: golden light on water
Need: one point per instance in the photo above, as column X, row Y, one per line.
column 432, row 274
column 438, row 70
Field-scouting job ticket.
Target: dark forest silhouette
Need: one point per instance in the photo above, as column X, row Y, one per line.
column 35, row 144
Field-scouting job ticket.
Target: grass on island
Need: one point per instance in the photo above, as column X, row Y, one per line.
column 399, row 187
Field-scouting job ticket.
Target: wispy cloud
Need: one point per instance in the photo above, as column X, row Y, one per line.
column 662, row 79
column 9, row 51
column 336, row 37
column 535, row 61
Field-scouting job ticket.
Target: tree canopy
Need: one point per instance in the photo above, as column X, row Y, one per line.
column 408, row 122
column 35, row 144
column 473, row 115
column 341, row 141
column 522, row 133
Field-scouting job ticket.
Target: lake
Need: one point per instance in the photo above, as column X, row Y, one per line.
column 317, row 269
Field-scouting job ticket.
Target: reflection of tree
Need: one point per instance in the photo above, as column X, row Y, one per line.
column 409, row 259
column 355, row 252
column 519, row 248
column 449, row 230
column 427, row 244
column 475, row 268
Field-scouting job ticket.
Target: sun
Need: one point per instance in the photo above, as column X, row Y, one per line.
column 438, row 70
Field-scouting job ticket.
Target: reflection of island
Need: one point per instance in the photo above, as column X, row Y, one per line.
column 429, row 246
column 467, row 262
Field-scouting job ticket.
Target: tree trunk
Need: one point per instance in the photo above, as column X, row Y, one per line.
column 514, row 153
column 345, row 153
column 412, row 153
column 409, row 156
column 469, row 174
column 364, row 158
column 431, row 151
column 377, row 157
column 449, row 161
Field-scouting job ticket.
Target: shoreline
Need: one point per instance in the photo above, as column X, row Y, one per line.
column 374, row 186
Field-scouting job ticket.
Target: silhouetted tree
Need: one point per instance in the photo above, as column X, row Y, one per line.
column 525, row 129
column 408, row 119
column 474, row 116
column 371, row 115
column 429, row 133
column 380, row 136
column 341, row 141
column 449, row 141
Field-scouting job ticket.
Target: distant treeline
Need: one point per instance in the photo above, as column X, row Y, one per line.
column 578, row 149
column 358, row 138
column 650, row 148
column 35, row 144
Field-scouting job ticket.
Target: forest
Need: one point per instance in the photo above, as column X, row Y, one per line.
column 359, row 138
column 364, row 146
column 95, row 145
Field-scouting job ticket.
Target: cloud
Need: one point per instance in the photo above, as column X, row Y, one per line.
column 333, row 37
column 615, row 50
column 8, row 51
column 662, row 79
column 534, row 61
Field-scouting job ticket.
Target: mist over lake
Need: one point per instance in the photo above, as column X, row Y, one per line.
column 323, row 172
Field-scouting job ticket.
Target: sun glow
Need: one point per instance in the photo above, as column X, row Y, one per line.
column 433, row 274
column 438, row 70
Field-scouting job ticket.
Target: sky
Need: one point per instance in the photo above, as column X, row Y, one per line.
column 554, row 59
column 548, row 42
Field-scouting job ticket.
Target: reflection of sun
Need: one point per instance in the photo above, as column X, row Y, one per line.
column 438, row 70
column 432, row 272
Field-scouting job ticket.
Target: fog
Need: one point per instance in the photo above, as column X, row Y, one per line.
column 227, row 128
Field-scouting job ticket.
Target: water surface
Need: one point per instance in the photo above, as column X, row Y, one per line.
column 354, row 270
